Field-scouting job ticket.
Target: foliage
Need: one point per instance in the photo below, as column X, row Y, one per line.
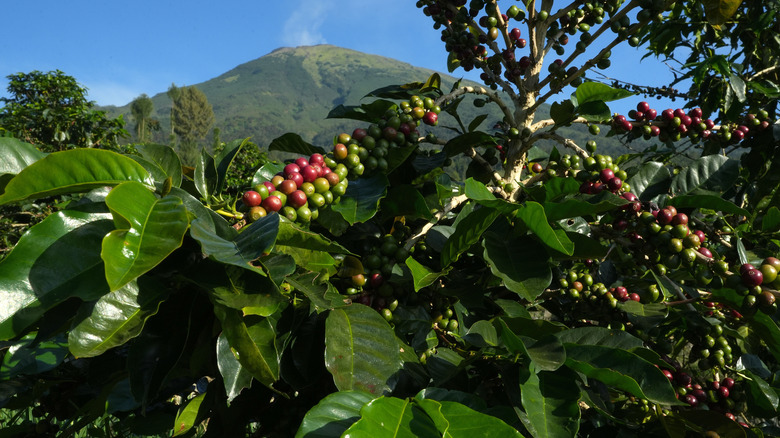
column 51, row 110
column 362, row 290
column 142, row 108
column 192, row 117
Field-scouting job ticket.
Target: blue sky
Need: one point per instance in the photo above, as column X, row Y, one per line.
column 119, row 50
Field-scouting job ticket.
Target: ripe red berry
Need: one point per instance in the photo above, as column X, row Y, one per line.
column 606, row 175
column 728, row 382
column 431, row 118
column 753, row 277
column 643, row 107
column 634, row 296
column 290, row 169
column 316, row 159
column 301, row 162
column 723, row 392
column 272, row 203
column 309, row 173
column 251, row 198
column 615, row 184
column 297, row 199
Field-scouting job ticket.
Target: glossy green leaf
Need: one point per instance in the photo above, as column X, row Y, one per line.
column 711, row 202
column 361, row 201
column 477, row 191
column 266, row 172
column 766, row 329
column 397, row 156
column 367, row 112
column 28, row 357
column 390, row 417
column 234, row 376
column 762, row 399
column 320, row 292
column 720, row 11
column 241, row 248
column 15, row 155
column 594, row 111
column 652, row 179
column 165, row 159
column 334, row 414
column 208, row 218
column 481, row 334
column 467, row 232
column 521, row 263
column 463, row 142
column 189, row 415
column 54, row 260
column 206, row 176
column 423, row 277
column 586, row 205
column 455, row 420
column 713, row 173
column 595, row 91
column 563, row 113
column 310, row 250
column 551, row 402
column 534, row 217
column 358, row 350
column 623, row 370
column 253, row 339
column 72, row 171
column 600, row 336
column 294, row 143
column 116, row 318
column 148, row 230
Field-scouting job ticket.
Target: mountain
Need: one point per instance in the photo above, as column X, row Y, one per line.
column 293, row 89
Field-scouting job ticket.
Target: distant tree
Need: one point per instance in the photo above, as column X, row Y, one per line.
column 141, row 108
column 173, row 93
column 192, row 118
column 51, row 111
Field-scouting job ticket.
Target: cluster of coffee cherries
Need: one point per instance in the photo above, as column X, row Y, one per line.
column 721, row 395
column 366, row 150
column 298, row 191
column 758, row 286
column 674, row 124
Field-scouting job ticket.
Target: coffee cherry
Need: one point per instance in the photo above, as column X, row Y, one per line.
column 272, row 203
column 251, row 198
column 297, row 198
column 430, row 118
column 752, row 277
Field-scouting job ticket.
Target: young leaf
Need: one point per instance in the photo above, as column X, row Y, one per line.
column 149, row 229
column 358, row 350
column 72, row 171
column 189, row 415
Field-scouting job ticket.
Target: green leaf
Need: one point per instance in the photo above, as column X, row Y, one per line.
column 652, row 179
column 463, row 142
column 149, row 229
column 594, row 111
column 547, row 353
column 15, row 155
column 333, row 414
column 477, row 191
column 248, row 291
column 455, row 420
column 71, row 171
column 551, row 402
column 600, row 336
column 361, row 201
column 224, row 160
column 711, row 202
column 596, row 91
column 116, row 318
column 563, row 113
column 714, row 421
column 518, row 263
column 405, row 200
column 165, row 159
column 423, row 277
column 28, row 357
column 234, row 376
column 367, row 112
column 206, row 176
column 266, row 172
column 241, row 248
column 482, row 334
column 762, row 399
column 766, row 329
column 468, row 232
column 584, row 205
column 359, row 352
column 390, row 417
column 57, row 259
column 714, row 173
column 310, row 250
column 738, row 86
column 320, row 292
column 623, row 370
column 253, row 338
column 294, row 143
column 534, row 217
column 189, row 415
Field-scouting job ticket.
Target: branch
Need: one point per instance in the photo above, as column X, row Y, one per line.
column 454, row 202
column 562, row 140
column 550, row 122
column 763, row 72
column 492, row 95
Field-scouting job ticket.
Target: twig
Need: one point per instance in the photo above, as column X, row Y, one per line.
column 454, row 202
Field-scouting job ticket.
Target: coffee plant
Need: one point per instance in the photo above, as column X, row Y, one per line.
column 365, row 289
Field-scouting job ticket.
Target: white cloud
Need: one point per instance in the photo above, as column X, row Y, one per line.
column 303, row 26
